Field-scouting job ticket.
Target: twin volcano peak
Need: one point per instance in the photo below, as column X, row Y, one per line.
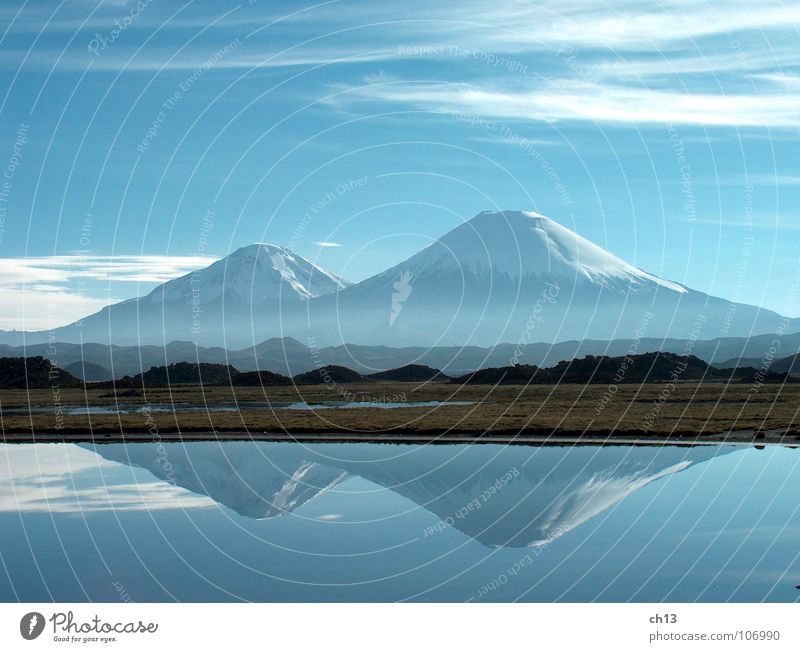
column 512, row 244
column 479, row 284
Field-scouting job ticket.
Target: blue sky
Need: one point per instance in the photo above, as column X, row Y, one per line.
column 144, row 139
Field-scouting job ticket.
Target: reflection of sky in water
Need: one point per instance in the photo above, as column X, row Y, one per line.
column 265, row 521
column 68, row 479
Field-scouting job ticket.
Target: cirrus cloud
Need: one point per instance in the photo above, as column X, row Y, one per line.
column 37, row 293
column 578, row 100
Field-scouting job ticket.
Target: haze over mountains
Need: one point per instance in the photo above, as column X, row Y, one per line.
column 95, row 362
column 511, row 276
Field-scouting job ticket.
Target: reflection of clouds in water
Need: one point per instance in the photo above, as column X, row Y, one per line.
column 62, row 497
column 22, row 461
column 49, row 480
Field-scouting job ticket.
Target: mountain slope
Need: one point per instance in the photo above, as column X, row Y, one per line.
column 414, row 373
column 523, row 278
column 231, row 301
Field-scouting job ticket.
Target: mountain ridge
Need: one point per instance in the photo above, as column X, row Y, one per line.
column 502, row 276
column 37, row 372
column 290, row 357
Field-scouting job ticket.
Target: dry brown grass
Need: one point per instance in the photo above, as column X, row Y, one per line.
column 690, row 408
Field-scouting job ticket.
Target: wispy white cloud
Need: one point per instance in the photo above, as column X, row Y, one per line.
column 716, row 64
column 782, row 80
column 327, row 244
column 37, row 293
column 500, row 139
column 694, row 62
column 625, row 24
column 614, row 24
column 773, row 179
column 676, row 31
column 777, row 179
column 582, row 100
column 69, row 17
column 63, row 269
column 160, row 59
column 786, row 223
column 43, row 307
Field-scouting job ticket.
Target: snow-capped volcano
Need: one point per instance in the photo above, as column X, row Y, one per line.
column 521, row 244
column 521, row 277
column 258, row 274
column 231, row 301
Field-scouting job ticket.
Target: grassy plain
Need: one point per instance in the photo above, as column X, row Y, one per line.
column 648, row 411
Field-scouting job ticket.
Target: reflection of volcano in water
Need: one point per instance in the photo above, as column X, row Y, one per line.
column 539, row 493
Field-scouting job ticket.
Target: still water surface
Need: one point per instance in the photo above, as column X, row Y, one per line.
column 238, row 406
column 215, row 521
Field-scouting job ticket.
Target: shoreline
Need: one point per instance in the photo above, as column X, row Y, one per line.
column 419, row 437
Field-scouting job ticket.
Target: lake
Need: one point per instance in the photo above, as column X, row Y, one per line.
column 225, row 406
column 260, row 521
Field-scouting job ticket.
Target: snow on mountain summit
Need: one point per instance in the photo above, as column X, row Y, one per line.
column 522, row 244
column 259, row 273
